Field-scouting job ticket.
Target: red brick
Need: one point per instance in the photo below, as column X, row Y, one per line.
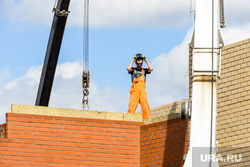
column 113, row 134
column 84, row 132
column 113, row 126
column 109, row 121
column 78, row 128
column 89, row 128
column 89, row 120
column 14, row 115
column 56, row 126
column 83, row 124
column 125, row 126
column 119, row 122
column 119, row 130
column 11, row 118
column 68, row 118
column 74, row 123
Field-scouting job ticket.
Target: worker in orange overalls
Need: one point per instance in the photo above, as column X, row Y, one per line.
column 138, row 92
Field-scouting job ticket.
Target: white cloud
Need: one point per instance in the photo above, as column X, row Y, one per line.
column 108, row 99
column 67, row 91
column 236, row 13
column 35, row 11
column 69, row 70
column 114, row 13
column 19, row 91
column 234, row 34
column 103, row 13
column 141, row 13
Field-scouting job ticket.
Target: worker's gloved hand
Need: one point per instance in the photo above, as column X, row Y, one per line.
column 135, row 58
column 144, row 58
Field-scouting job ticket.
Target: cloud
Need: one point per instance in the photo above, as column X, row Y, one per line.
column 234, row 34
column 103, row 13
column 236, row 13
column 122, row 13
column 19, row 91
column 108, row 99
column 139, row 13
column 21, row 11
column 67, row 91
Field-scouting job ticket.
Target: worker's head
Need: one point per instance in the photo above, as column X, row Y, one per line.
column 139, row 60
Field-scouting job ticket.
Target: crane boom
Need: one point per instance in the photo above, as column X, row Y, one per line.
column 52, row 53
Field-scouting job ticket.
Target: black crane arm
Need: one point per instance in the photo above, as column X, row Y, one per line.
column 52, row 53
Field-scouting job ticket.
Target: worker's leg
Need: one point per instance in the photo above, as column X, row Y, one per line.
column 133, row 101
column 144, row 104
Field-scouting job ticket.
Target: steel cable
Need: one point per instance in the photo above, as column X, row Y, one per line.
column 85, row 75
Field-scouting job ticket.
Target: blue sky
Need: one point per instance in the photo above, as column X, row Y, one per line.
column 159, row 29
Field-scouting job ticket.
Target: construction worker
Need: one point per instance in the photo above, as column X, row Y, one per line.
column 138, row 89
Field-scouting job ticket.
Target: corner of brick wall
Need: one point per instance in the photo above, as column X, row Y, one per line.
column 2, row 130
column 164, row 137
column 233, row 104
column 164, row 143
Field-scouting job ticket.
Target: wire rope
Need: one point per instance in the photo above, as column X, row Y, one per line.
column 86, row 37
column 85, row 74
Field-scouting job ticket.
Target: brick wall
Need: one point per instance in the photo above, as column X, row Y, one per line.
column 164, row 143
column 39, row 140
column 190, row 69
column 2, row 130
column 233, row 104
column 165, row 138
column 36, row 140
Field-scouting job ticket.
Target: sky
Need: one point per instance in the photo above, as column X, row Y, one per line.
column 119, row 29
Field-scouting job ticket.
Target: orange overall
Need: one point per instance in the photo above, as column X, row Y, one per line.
column 138, row 94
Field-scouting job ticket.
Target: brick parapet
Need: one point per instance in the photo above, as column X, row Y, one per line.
column 42, row 140
column 36, row 140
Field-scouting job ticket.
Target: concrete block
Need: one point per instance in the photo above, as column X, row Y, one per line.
column 50, row 111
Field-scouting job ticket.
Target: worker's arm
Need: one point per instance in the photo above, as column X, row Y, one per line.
column 130, row 66
column 150, row 68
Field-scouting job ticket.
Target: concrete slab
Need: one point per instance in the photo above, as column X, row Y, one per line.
column 157, row 114
column 50, row 111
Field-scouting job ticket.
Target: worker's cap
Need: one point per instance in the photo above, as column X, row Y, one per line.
column 138, row 56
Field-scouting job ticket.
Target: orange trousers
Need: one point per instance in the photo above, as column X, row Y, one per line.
column 138, row 94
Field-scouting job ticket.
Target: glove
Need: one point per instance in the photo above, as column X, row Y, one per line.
column 144, row 58
column 135, row 58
